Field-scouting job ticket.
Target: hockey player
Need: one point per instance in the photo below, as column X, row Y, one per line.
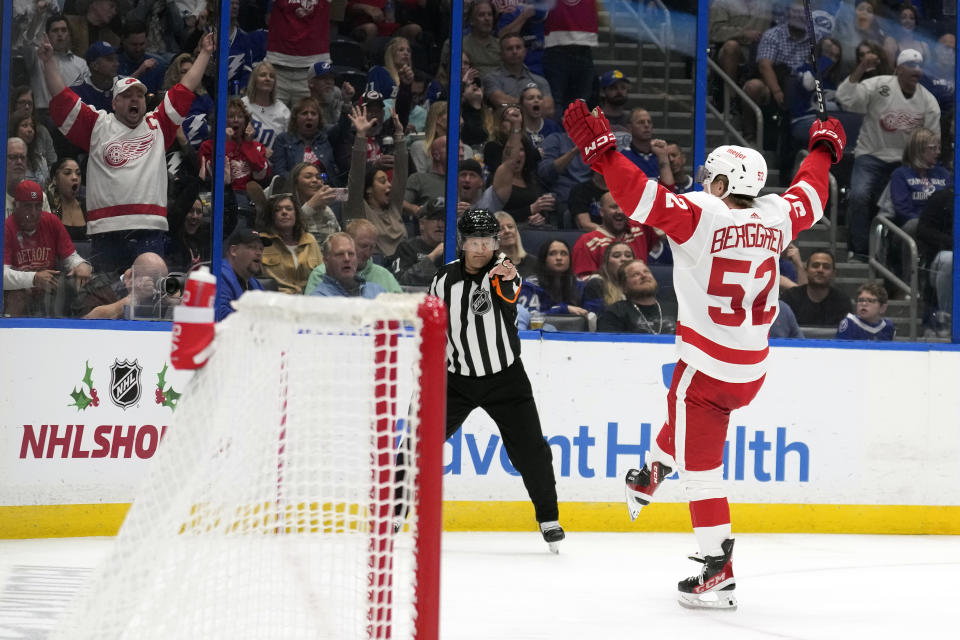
column 484, row 370
column 726, row 244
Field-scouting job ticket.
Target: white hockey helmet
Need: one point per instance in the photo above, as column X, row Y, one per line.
column 745, row 168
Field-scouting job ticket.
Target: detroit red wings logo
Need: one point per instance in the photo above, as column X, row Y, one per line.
column 905, row 121
column 120, row 152
column 306, row 7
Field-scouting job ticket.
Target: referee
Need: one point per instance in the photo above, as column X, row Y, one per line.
column 484, row 369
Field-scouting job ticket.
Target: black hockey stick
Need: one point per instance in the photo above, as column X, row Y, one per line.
column 817, row 87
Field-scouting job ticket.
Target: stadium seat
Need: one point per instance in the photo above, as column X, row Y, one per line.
column 356, row 78
column 84, row 248
column 268, row 284
column 348, row 53
column 567, row 322
column 533, row 238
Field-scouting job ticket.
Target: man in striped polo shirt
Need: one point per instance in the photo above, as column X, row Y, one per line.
column 484, row 370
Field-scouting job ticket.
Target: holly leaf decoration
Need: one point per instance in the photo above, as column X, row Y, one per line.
column 80, row 399
column 170, row 398
column 87, row 376
column 162, row 377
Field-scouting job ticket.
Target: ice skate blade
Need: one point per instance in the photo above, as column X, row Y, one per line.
column 633, row 507
column 554, row 547
column 720, row 600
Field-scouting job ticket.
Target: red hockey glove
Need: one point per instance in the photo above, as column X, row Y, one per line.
column 831, row 134
column 590, row 131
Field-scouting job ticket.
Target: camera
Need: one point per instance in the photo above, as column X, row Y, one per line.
column 172, row 284
column 386, row 145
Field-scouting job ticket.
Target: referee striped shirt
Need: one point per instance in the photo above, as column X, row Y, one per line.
column 482, row 327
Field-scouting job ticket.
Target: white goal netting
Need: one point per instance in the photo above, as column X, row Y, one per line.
column 269, row 510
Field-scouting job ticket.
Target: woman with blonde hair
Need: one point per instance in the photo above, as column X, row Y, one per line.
column 920, row 176
column 436, row 126
column 270, row 116
column 511, row 244
column 294, row 253
column 605, row 283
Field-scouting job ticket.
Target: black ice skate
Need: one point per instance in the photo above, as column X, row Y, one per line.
column 715, row 586
column 641, row 483
column 552, row 534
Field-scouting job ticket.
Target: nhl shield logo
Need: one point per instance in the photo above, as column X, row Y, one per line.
column 125, row 383
column 480, row 301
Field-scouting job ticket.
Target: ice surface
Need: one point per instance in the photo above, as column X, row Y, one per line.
column 612, row 585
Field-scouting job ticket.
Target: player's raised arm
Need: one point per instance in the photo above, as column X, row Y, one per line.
column 640, row 198
column 810, row 188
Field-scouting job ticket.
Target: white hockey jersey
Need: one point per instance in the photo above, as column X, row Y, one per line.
column 726, row 261
column 127, row 169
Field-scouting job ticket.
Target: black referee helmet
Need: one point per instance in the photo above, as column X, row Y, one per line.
column 478, row 223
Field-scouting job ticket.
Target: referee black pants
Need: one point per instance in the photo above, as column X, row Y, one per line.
column 508, row 398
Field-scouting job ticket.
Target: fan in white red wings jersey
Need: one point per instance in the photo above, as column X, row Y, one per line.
column 126, row 174
column 726, row 261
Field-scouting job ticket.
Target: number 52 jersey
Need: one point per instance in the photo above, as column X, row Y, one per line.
column 726, row 261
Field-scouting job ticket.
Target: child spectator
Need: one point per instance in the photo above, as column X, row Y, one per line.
column 65, row 198
column 304, row 141
column 554, row 289
column 294, row 253
column 270, row 116
column 868, row 323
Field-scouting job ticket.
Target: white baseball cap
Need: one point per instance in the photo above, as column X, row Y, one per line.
column 908, row 56
column 122, row 84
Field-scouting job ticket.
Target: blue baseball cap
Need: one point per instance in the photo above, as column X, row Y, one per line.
column 98, row 50
column 320, row 69
column 612, row 77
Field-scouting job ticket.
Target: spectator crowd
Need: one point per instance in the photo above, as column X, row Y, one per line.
column 336, row 150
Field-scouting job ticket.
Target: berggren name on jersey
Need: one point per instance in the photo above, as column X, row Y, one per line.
column 747, row 235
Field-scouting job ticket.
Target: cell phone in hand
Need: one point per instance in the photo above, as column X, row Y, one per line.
column 340, row 194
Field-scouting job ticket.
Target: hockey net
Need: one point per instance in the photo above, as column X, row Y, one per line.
column 269, row 510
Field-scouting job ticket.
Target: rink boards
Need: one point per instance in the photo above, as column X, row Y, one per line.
column 839, row 439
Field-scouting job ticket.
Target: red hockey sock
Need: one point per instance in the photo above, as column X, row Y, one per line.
column 711, row 524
